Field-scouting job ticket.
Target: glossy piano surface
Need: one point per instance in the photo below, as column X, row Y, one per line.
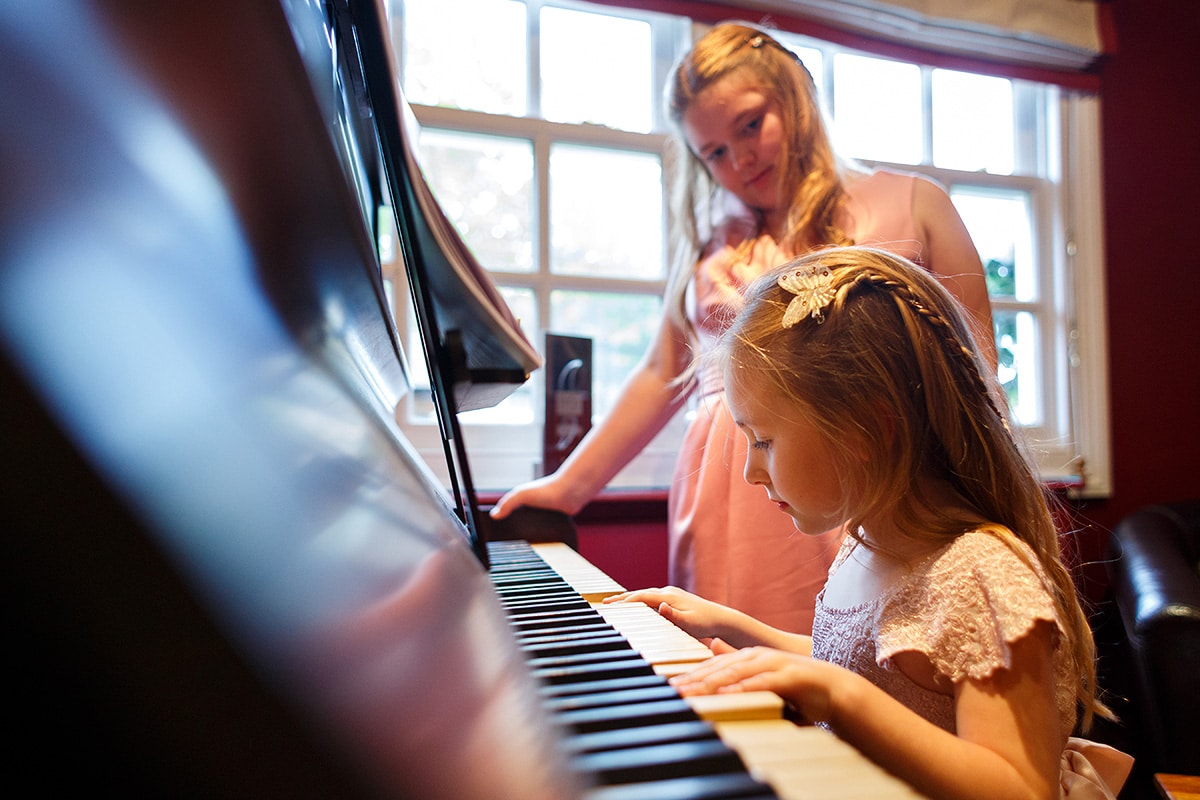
column 227, row 573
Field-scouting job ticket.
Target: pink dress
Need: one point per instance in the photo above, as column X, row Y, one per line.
column 727, row 541
column 963, row 607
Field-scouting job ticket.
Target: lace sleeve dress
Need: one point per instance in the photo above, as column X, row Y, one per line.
column 963, row 608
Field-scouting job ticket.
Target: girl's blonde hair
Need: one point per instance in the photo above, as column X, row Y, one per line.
column 888, row 368
column 810, row 178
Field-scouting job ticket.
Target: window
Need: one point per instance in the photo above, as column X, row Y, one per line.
column 552, row 170
column 552, row 167
column 999, row 146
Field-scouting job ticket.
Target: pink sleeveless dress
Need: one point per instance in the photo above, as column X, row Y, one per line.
column 963, row 607
column 727, row 541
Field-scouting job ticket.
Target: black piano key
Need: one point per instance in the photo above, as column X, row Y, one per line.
column 689, row 731
column 612, row 685
column 503, row 572
column 523, row 604
column 518, row 588
column 704, row 787
column 659, row 762
column 532, row 614
column 591, row 671
column 547, row 600
column 581, row 629
column 593, row 644
column 578, row 630
column 532, row 622
column 526, row 583
column 580, row 659
column 512, row 567
column 563, row 604
column 577, row 702
column 523, row 581
column 587, row 720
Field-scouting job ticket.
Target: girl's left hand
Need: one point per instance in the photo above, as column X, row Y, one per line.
column 806, row 683
column 701, row 618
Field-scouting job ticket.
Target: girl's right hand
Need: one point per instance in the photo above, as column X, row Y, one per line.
column 806, row 683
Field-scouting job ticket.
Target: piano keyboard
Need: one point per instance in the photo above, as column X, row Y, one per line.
column 604, row 670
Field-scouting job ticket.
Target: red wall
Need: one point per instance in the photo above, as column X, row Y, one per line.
column 625, row 534
column 1150, row 95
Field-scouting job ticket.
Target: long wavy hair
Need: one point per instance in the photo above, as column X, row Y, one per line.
column 810, row 177
column 892, row 370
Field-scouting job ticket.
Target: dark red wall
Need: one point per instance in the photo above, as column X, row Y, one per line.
column 1150, row 95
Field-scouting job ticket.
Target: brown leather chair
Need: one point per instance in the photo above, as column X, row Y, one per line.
column 1154, row 571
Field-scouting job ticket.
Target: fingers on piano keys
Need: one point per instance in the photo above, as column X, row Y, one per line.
column 603, row 671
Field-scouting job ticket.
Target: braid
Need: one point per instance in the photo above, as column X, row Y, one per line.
column 951, row 340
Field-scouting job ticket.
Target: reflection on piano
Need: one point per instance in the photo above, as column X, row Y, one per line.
column 227, row 571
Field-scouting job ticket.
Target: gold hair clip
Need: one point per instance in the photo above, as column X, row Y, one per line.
column 758, row 40
column 813, row 289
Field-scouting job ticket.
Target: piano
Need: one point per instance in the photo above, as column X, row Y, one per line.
column 228, row 574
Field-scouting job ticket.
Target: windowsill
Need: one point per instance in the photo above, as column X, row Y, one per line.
column 614, row 505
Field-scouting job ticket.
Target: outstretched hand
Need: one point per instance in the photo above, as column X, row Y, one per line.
column 722, row 628
column 701, row 618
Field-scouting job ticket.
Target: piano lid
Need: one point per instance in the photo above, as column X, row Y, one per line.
column 229, row 573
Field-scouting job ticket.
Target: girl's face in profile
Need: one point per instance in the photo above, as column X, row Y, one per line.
column 788, row 456
column 736, row 130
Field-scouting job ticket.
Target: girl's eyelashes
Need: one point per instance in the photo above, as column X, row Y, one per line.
column 760, row 444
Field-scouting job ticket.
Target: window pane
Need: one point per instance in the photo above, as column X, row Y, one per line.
column 1016, row 343
column 478, row 62
column 596, row 68
column 517, row 408
column 1001, row 224
column 972, row 122
column 485, row 186
column 606, row 214
column 877, row 109
column 620, row 326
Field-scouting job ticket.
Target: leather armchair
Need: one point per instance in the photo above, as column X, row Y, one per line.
column 1154, row 570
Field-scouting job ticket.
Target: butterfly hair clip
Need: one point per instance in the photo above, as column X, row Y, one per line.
column 813, row 289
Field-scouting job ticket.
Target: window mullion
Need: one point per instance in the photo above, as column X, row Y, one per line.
column 542, row 279
column 533, row 57
column 926, row 115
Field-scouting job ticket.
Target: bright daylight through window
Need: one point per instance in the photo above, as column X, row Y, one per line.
column 554, row 171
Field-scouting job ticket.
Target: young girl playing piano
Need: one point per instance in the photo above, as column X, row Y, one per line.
column 949, row 645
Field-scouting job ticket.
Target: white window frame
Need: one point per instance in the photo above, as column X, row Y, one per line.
column 1083, row 264
column 503, row 455
column 1073, row 449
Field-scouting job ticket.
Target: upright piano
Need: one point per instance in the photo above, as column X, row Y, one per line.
column 228, row 574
